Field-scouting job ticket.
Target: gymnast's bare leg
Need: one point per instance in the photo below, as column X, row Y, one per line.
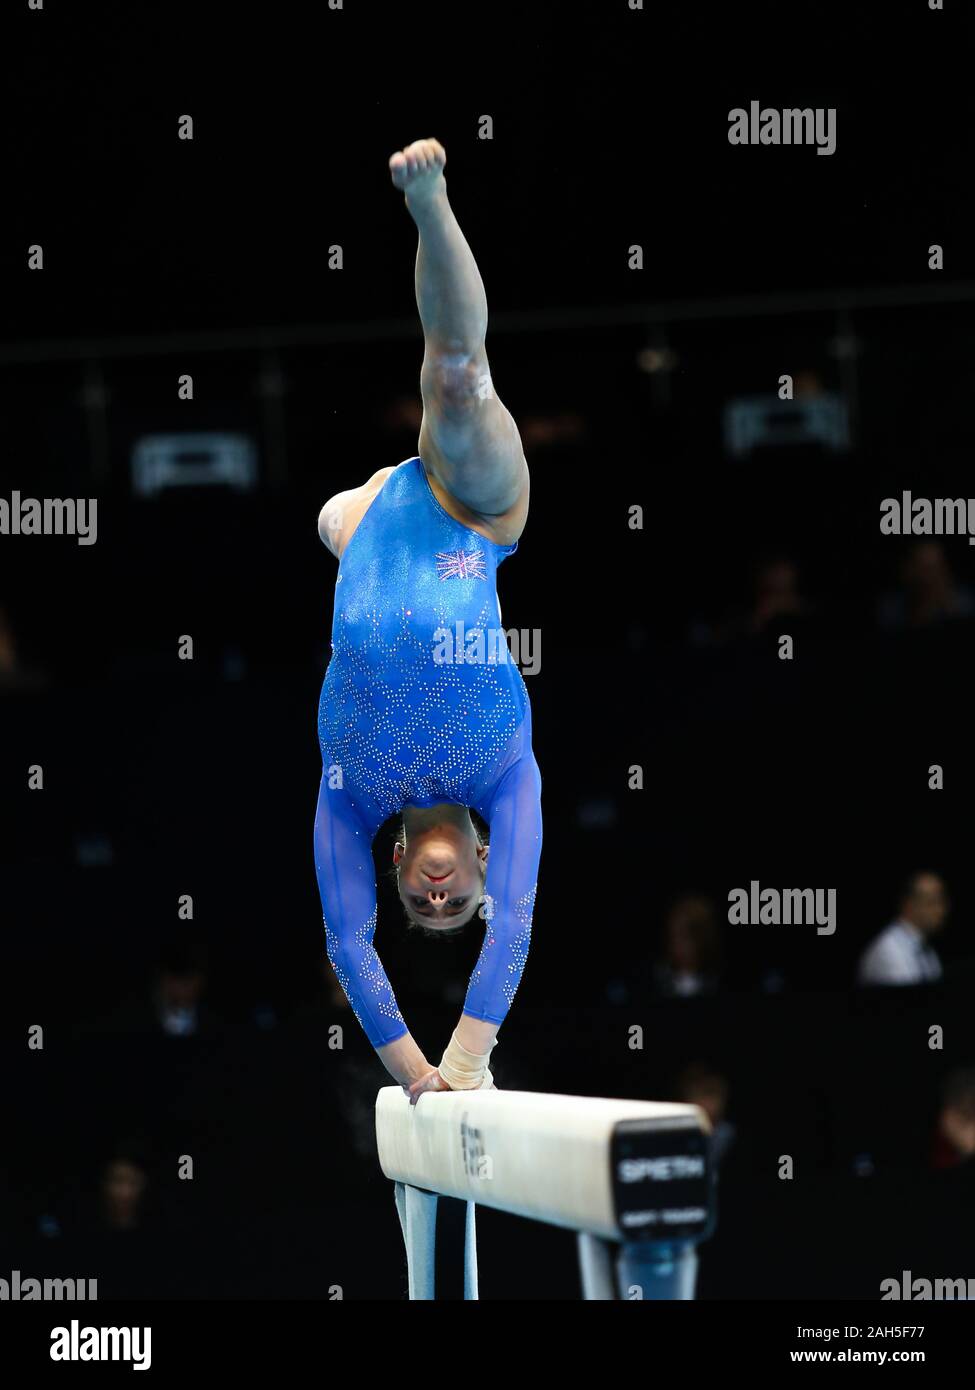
column 469, row 441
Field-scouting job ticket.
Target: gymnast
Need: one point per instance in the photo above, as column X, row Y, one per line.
column 404, row 731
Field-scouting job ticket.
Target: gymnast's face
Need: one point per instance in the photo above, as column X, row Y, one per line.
column 441, row 874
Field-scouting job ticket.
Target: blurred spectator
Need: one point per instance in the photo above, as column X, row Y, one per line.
column 690, row 957
column 14, row 675
column 700, row 1084
column 122, row 1188
column 172, row 1003
column 9, row 663
column 928, row 593
column 776, row 596
column 403, row 414
column 552, row 427
column 121, row 1238
column 901, row 954
column 179, row 987
column 954, row 1138
column 807, row 383
column 776, row 590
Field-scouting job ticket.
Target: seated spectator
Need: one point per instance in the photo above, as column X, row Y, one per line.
column 690, row 957
column 123, row 1184
column 700, row 1084
column 929, row 593
column 902, row 953
column 14, row 674
column 954, row 1137
column 179, row 987
column 777, row 595
column 776, row 603
column 9, row 662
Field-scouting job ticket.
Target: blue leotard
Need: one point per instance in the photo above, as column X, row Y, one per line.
column 400, row 725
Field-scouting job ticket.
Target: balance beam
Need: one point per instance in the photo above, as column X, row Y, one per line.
column 618, row 1172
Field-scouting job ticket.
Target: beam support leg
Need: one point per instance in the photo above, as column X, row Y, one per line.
column 417, row 1212
column 597, row 1260
column 657, row 1269
column 470, row 1254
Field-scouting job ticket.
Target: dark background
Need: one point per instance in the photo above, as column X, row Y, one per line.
column 162, row 777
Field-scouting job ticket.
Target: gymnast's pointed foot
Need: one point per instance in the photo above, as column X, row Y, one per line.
column 417, row 171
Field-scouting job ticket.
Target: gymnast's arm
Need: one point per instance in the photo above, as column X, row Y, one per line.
column 347, row 885
column 514, row 815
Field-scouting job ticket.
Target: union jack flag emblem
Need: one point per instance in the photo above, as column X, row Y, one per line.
column 461, row 564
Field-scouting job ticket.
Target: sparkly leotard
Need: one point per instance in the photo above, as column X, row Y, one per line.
column 404, row 720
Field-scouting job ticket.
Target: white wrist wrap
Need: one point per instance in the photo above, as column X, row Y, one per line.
column 463, row 1070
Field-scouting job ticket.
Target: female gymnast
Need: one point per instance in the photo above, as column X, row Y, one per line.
column 422, row 710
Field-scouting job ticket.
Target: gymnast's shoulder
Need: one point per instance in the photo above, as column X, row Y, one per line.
column 342, row 513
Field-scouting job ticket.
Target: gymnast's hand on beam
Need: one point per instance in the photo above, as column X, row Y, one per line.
column 430, row 1081
column 433, row 1081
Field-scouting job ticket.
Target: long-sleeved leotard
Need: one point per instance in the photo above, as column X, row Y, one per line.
column 422, row 704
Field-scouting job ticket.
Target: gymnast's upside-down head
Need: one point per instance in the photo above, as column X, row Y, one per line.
column 440, row 862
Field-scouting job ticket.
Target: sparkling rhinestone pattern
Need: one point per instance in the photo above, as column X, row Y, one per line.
column 499, row 967
column 364, row 964
column 401, row 723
